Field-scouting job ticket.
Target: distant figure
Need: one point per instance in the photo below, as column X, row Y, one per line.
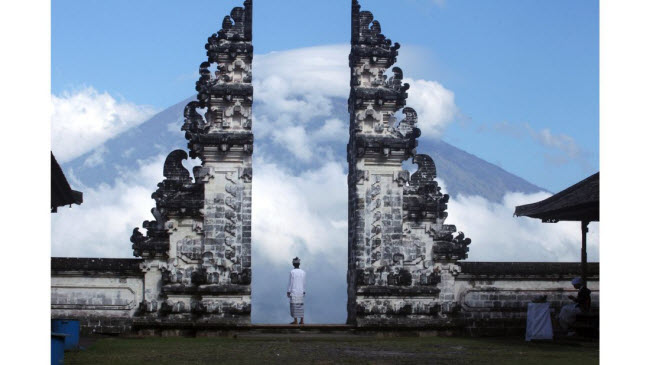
column 296, row 292
column 582, row 304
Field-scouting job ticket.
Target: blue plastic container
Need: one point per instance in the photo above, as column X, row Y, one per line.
column 58, row 343
column 71, row 328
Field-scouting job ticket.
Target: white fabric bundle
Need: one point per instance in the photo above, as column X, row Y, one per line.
column 538, row 322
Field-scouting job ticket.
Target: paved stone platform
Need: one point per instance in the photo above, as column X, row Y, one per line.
column 173, row 329
column 304, row 327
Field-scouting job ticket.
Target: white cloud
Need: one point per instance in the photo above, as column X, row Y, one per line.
column 560, row 149
column 85, row 119
column 333, row 130
column 101, row 226
column 174, row 126
column 127, row 152
column 296, row 89
column 434, row 104
column 96, row 157
column 499, row 236
column 301, row 82
column 300, row 214
column 323, row 69
column 566, row 147
column 295, row 140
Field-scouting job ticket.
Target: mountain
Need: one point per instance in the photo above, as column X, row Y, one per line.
column 467, row 174
column 462, row 172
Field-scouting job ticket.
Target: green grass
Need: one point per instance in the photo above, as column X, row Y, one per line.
column 275, row 349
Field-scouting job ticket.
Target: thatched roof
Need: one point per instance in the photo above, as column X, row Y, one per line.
column 61, row 192
column 580, row 202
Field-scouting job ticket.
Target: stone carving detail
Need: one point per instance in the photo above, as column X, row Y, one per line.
column 201, row 235
column 226, row 95
column 422, row 198
column 397, row 237
column 176, row 195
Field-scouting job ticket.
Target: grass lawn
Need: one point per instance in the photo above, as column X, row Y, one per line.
column 330, row 349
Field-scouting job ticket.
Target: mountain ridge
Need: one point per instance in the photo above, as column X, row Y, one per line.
column 462, row 172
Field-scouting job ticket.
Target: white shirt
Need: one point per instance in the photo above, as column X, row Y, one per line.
column 296, row 285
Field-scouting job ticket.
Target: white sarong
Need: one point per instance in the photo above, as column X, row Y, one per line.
column 297, row 306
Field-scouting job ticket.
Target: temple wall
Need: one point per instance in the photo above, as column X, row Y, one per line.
column 493, row 297
column 106, row 296
column 103, row 294
column 482, row 298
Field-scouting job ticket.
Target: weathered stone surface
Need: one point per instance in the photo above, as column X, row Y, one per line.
column 493, row 296
column 556, row 271
column 197, row 251
column 88, row 266
column 104, row 294
column 402, row 256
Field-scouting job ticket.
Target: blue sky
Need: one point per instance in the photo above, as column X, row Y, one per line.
column 510, row 63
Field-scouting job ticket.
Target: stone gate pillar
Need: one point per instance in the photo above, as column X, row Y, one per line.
column 198, row 249
column 401, row 255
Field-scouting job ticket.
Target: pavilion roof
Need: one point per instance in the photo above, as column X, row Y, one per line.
column 579, row 202
column 61, row 193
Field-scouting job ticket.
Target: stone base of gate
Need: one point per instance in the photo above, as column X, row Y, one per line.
column 139, row 327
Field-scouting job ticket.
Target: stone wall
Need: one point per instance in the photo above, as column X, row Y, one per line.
column 103, row 294
column 490, row 297
column 493, row 296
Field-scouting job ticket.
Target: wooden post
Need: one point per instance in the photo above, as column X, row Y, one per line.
column 584, row 252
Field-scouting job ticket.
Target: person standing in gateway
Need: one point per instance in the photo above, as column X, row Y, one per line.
column 296, row 292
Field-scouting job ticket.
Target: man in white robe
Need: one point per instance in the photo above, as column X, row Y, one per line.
column 296, row 292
